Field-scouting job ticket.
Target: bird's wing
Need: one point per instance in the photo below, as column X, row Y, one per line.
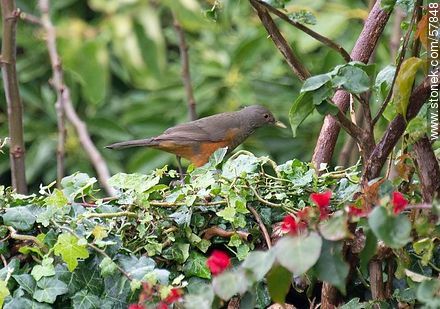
column 209, row 129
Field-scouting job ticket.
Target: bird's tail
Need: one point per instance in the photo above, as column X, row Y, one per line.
column 134, row 143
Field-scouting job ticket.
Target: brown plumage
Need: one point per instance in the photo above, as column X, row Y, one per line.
column 197, row 140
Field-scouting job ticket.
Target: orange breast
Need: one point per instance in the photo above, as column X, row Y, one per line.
column 197, row 152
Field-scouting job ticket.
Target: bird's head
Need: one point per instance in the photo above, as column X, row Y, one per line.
column 258, row 116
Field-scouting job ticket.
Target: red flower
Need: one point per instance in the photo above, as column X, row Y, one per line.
column 162, row 305
column 303, row 214
column 399, row 202
column 136, row 306
column 322, row 200
column 174, row 295
column 289, row 225
column 356, row 212
column 218, row 262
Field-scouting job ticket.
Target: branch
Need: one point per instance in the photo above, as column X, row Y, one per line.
column 399, row 64
column 395, row 130
column 80, row 127
column 281, row 43
column 15, row 106
column 30, row 18
column 261, row 225
column 364, row 47
column 324, row 40
column 15, row 235
column 186, row 76
column 217, row 231
column 58, row 85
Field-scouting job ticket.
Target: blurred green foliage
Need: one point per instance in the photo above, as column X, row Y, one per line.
column 122, row 64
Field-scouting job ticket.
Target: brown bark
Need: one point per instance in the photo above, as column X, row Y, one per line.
column 362, row 51
column 394, row 131
column 15, row 106
column 428, row 169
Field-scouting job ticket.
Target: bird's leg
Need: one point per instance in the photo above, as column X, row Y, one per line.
column 179, row 165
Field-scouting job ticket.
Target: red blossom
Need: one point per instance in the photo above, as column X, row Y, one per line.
column 218, row 262
column 174, row 295
column 356, row 211
column 289, row 225
column 303, row 214
column 322, row 200
column 162, row 305
column 399, row 202
column 136, row 306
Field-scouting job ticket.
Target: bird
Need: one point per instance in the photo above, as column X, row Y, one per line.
column 197, row 140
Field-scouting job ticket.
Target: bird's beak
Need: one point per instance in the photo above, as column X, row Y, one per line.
column 279, row 124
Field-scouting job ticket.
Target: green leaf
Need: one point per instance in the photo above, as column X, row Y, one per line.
column 327, row 108
column 427, row 293
column 352, row 78
column 240, row 166
column 26, row 282
column 336, row 228
column 20, row 218
column 196, row 266
column 46, row 269
column 315, row 82
column 21, row 302
column 77, row 184
column 201, row 299
column 301, row 108
column 258, row 263
column 322, row 94
column 48, row 289
column 56, row 199
column 404, row 82
column 137, row 268
column 137, row 182
column 4, row 292
column 229, row 283
column 85, row 300
column 278, row 283
column 383, row 81
column 298, row 254
column 67, row 246
column 424, row 247
column 228, row 213
column 108, row 267
column 393, row 231
column 331, row 266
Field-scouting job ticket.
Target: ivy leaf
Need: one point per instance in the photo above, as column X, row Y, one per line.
column 78, row 184
column 46, row 269
column 4, row 292
column 137, row 182
column 99, row 232
column 404, row 82
column 230, row 283
column 240, row 166
column 20, row 218
column 48, row 289
column 393, row 231
column 301, row 108
column 427, row 293
column 424, row 247
column 327, row 108
column 85, row 300
column 228, row 213
column 26, row 282
column 278, row 283
column 56, row 199
column 335, row 228
column 137, row 268
column 67, row 246
column 258, row 263
column 331, row 266
column 196, row 266
column 299, row 253
column 108, row 267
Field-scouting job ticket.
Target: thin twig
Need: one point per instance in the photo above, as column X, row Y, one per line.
column 15, row 235
column 218, row 231
column 89, row 147
column 58, row 85
column 280, row 42
column 399, row 64
column 186, row 76
column 261, row 225
column 12, row 94
column 30, row 19
column 262, row 200
column 324, row 40
column 109, row 215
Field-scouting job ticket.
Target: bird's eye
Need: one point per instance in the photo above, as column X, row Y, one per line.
column 266, row 116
